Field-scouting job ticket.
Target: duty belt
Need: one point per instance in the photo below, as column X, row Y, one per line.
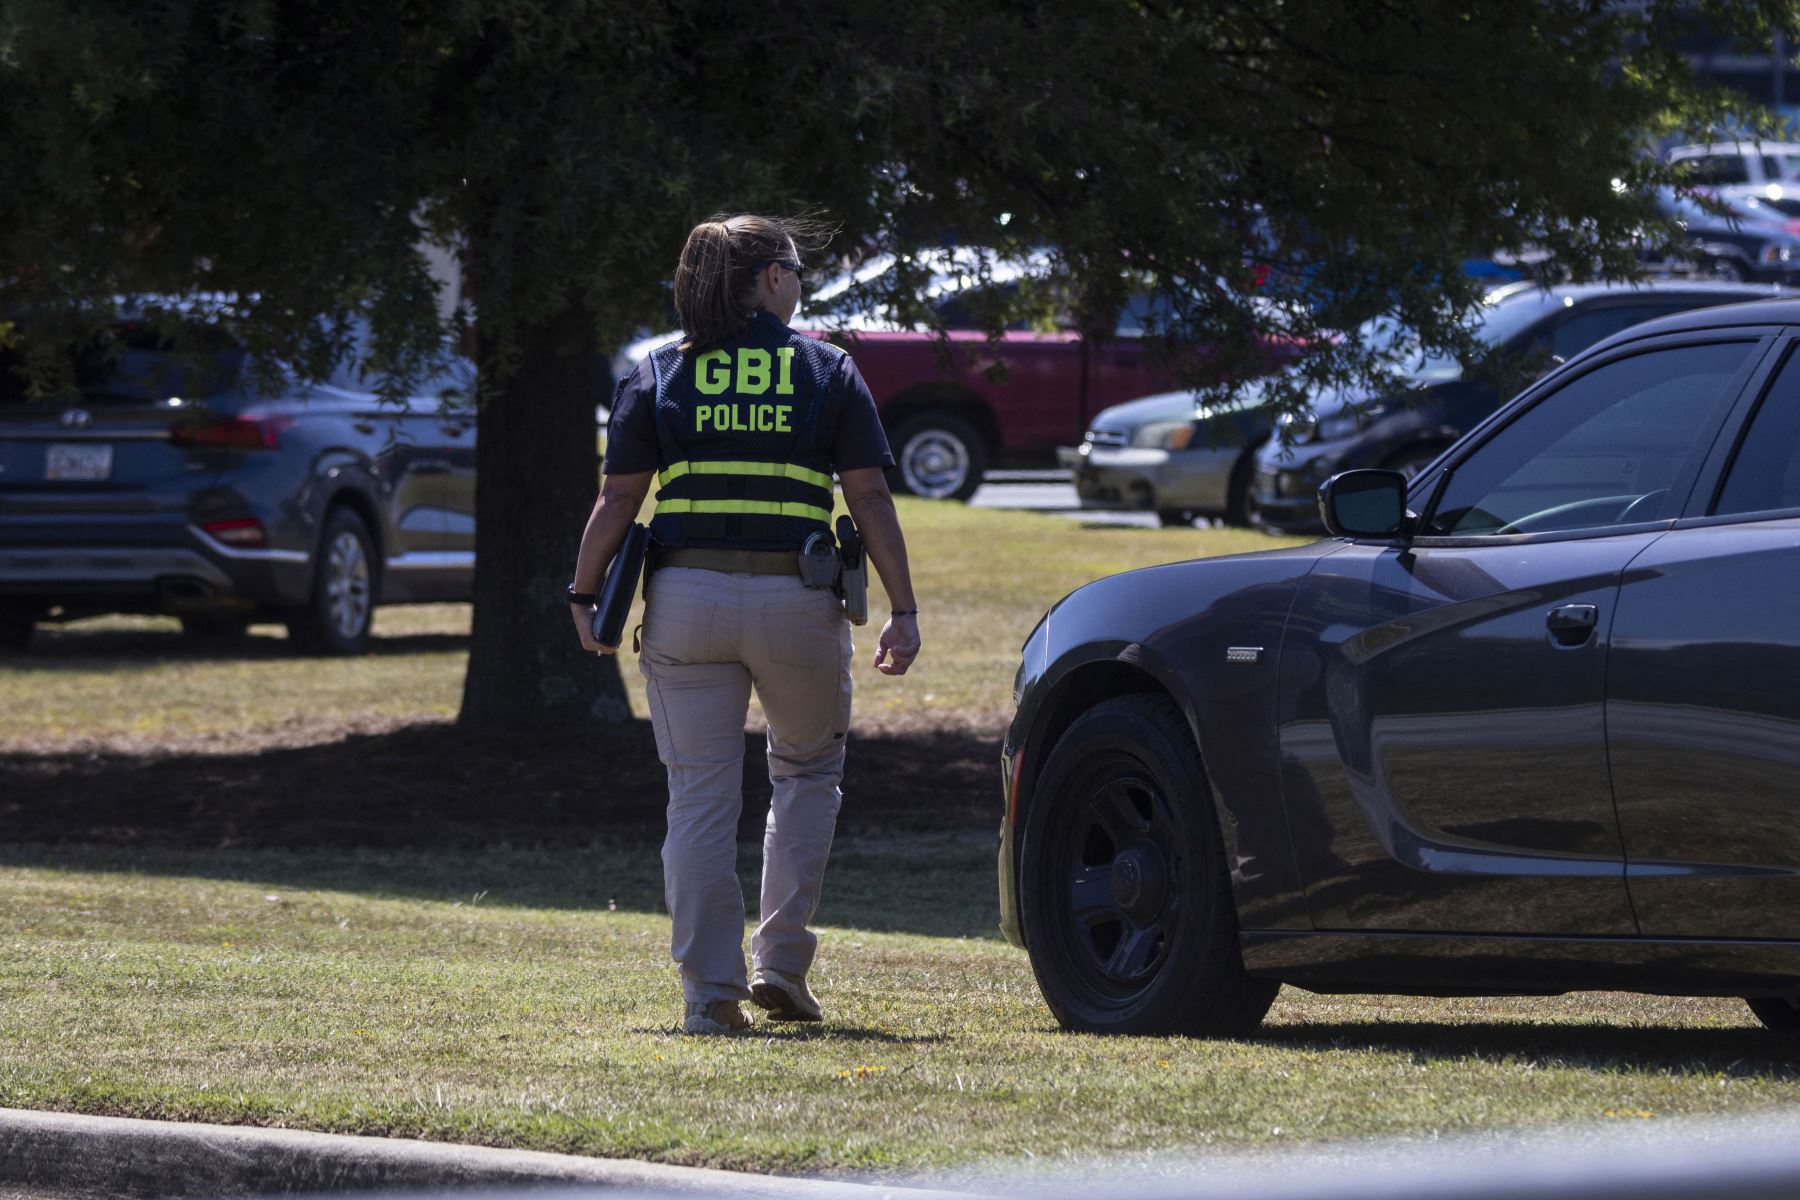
column 747, row 562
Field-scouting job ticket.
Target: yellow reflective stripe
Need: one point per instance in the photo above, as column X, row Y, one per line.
column 761, row 508
column 769, row 470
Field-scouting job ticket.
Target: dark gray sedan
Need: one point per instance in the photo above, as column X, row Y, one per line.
column 1528, row 724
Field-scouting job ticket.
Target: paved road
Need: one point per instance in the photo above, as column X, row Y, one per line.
column 1051, row 492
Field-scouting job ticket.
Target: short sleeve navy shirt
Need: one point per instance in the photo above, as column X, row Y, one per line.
column 848, row 424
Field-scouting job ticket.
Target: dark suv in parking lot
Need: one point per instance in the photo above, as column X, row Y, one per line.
column 1522, row 327
column 175, row 483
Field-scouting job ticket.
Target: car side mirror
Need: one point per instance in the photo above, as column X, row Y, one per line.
column 1365, row 504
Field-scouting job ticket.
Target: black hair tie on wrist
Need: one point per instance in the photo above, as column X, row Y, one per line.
column 903, row 612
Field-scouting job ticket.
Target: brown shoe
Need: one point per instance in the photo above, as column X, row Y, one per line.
column 714, row 1017
column 783, row 997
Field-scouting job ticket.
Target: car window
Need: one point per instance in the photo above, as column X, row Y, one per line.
column 1144, row 314
column 1594, row 324
column 1603, row 450
column 970, row 307
column 1780, row 166
column 1718, row 169
column 1765, row 472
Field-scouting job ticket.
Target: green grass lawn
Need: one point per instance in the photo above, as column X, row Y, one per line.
column 526, row 999
column 524, row 996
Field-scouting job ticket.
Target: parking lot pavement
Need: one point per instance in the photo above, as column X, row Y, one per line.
column 1049, row 492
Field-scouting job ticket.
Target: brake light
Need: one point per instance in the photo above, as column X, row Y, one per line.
column 233, row 433
column 242, row 531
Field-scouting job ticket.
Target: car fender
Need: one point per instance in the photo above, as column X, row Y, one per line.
column 340, row 475
column 1169, row 629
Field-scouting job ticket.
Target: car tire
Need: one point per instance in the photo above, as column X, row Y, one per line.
column 213, row 628
column 1725, row 270
column 17, row 625
column 1171, row 518
column 1124, row 892
column 1779, row 1013
column 336, row 620
column 937, row 457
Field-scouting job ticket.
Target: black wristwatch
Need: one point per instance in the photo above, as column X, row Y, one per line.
column 576, row 597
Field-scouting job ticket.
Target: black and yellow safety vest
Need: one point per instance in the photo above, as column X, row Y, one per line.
column 738, row 427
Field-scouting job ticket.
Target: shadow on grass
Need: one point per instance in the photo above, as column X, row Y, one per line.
column 437, row 812
column 787, row 1031
column 1750, row 1052
column 56, row 650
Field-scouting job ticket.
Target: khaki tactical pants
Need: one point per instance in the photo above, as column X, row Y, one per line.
column 709, row 637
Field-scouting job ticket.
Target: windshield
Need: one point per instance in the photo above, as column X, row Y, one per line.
column 135, row 366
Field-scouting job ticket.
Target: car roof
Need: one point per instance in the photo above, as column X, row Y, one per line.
column 1745, row 147
column 1782, row 311
column 1577, row 292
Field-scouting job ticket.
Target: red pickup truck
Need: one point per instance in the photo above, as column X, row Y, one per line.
column 950, row 416
column 953, row 410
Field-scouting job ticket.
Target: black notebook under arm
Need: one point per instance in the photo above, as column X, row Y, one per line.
column 613, row 604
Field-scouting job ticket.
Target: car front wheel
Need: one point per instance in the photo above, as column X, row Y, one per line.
column 1727, row 270
column 1128, row 915
column 337, row 619
column 938, row 457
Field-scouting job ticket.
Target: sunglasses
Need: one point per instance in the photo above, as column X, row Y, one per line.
column 795, row 267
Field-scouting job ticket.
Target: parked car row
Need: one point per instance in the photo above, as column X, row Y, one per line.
column 181, row 485
column 1163, row 454
column 955, row 407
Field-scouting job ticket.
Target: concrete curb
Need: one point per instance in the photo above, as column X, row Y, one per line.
column 120, row 1156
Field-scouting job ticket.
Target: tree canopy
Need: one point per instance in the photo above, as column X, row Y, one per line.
column 1270, row 166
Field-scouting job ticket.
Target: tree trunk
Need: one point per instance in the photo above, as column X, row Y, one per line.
column 537, row 473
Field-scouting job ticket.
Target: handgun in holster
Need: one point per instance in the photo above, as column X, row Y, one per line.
column 853, row 580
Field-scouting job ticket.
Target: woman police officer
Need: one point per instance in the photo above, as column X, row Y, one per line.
column 744, row 421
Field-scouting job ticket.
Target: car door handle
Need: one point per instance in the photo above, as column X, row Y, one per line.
column 453, row 430
column 1572, row 624
column 363, row 426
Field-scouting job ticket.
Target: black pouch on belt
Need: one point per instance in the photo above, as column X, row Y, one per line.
column 819, row 561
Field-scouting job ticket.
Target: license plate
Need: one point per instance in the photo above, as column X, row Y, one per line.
column 78, row 462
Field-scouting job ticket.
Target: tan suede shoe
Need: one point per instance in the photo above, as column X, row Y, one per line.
column 783, row 997
column 715, row 1017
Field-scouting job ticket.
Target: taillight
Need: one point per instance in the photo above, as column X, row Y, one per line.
column 234, row 433
column 242, row 531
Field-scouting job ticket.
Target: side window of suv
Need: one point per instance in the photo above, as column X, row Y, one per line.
column 1765, row 472
column 1602, row 450
column 1596, row 324
column 1717, row 169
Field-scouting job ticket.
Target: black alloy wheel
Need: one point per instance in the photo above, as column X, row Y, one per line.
column 1779, row 1013
column 937, row 457
column 1126, row 900
column 337, row 619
